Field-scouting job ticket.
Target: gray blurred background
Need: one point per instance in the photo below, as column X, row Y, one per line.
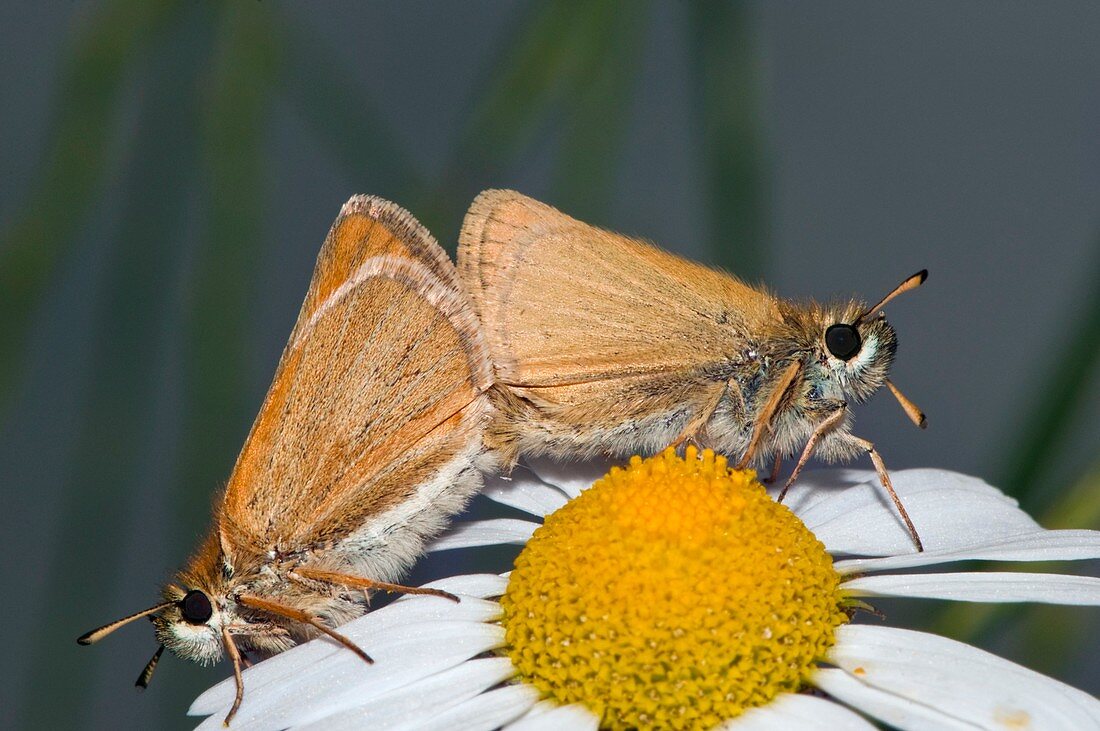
column 170, row 169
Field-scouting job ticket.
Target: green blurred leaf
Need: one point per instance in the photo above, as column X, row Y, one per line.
column 578, row 57
column 344, row 117
column 728, row 99
column 556, row 44
column 551, row 49
column 1079, row 507
column 1055, row 406
column 598, row 108
column 73, row 165
column 1051, row 637
column 239, row 89
column 117, row 417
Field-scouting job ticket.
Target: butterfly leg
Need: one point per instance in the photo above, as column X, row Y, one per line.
column 776, row 466
column 767, row 411
column 699, row 421
column 884, row 478
column 235, row 656
column 297, row 615
column 827, row 423
column 332, row 577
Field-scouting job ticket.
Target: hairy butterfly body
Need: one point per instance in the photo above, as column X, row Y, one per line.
column 605, row 344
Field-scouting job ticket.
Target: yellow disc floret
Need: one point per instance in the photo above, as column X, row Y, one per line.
column 671, row 594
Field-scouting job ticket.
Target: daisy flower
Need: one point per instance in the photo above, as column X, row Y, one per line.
column 675, row 593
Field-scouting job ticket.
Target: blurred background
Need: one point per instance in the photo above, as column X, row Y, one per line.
column 171, row 168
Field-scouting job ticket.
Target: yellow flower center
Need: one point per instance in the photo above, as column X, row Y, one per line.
column 671, row 594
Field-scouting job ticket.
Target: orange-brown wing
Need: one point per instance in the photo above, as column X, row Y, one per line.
column 381, row 385
column 370, row 226
column 562, row 302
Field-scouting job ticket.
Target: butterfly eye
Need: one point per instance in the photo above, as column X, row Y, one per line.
column 195, row 607
column 843, row 341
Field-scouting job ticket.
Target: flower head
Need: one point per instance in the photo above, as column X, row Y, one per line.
column 674, row 593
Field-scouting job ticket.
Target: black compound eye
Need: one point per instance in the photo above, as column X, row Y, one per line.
column 843, row 341
column 195, row 607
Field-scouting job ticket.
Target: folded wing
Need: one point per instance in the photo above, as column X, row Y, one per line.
column 562, row 302
column 377, row 408
column 370, row 226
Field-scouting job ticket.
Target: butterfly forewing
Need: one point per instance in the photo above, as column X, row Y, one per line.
column 378, row 393
column 563, row 302
column 370, row 226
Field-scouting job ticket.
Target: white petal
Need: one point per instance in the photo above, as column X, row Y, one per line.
column 982, row 586
column 407, row 654
column 524, row 491
column 548, row 717
column 486, row 712
column 366, row 631
column 961, row 681
column 950, row 511
column 895, row 710
column 481, row 586
column 794, row 711
column 424, row 698
column 495, row 532
column 821, row 484
column 1035, row 545
column 571, row 477
column 544, row 706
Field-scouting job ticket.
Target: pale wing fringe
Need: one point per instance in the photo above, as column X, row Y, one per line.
column 369, row 226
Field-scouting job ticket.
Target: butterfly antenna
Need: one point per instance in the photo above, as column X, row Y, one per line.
column 915, row 414
column 98, row 634
column 147, row 673
column 910, row 283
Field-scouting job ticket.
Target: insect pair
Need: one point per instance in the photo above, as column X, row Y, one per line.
column 405, row 380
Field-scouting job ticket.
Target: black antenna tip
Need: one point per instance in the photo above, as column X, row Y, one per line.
column 147, row 673
column 923, row 422
column 85, row 639
column 923, row 274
